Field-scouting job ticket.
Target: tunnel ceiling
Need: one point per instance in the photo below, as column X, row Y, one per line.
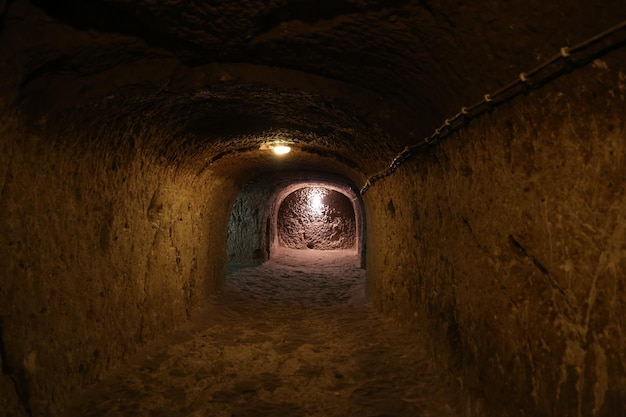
column 354, row 81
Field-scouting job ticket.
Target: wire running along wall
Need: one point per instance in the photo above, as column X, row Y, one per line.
column 563, row 62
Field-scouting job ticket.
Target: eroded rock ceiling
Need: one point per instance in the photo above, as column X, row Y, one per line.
column 356, row 79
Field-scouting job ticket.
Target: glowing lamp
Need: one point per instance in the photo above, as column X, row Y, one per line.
column 316, row 202
column 281, row 149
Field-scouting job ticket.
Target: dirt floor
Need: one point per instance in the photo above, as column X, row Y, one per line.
column 292, row 337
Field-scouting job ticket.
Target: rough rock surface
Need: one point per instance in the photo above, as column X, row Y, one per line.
column 128, row 129
column 316, row 218
column 100, row 254
column 255, row 223
column 513, row 252
column 292, row 337
column 248, row 239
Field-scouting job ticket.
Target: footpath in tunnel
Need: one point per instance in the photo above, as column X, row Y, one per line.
column 292, row 337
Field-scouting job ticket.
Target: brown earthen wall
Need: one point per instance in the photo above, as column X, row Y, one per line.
column 247, row 227
column 102, row 251
column 508, row 241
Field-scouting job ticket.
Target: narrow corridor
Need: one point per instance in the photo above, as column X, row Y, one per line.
column 292, row 337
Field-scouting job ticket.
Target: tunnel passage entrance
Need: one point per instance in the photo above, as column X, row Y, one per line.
column 316, row 218
column 302, row 212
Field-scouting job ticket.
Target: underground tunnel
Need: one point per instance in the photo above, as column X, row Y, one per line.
column 304, row 211
column 445, row 237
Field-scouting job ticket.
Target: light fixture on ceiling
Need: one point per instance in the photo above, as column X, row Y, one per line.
column 281, row 149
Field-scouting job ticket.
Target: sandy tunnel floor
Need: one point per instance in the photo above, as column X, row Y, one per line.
column 292, row 337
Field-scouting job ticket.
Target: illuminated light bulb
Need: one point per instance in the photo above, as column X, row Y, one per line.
column 316, row 202
column 281, row 149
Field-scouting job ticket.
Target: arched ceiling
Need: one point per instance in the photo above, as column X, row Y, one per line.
column 354, row 80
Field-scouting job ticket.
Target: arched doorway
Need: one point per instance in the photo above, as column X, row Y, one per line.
column 316, row 218
column 314, row 213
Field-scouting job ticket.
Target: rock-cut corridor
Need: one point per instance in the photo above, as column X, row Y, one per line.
column 171, row 172
column 292, row 337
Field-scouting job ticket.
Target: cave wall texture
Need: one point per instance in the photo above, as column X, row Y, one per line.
column 256, row 222
column 329, row 224
column 129, row 128
column 248, row 239
column 514, row 251
column 103, row 255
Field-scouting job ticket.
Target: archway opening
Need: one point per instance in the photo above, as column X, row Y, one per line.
column 301, row 213
column 316, row 218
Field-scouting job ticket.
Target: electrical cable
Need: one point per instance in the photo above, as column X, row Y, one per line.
column 569, row 57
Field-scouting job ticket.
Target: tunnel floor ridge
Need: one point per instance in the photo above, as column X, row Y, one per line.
column 293, row 337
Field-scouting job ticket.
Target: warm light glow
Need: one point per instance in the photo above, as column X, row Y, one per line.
column 316, row 202
column 281, row 149
column 315, row 197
